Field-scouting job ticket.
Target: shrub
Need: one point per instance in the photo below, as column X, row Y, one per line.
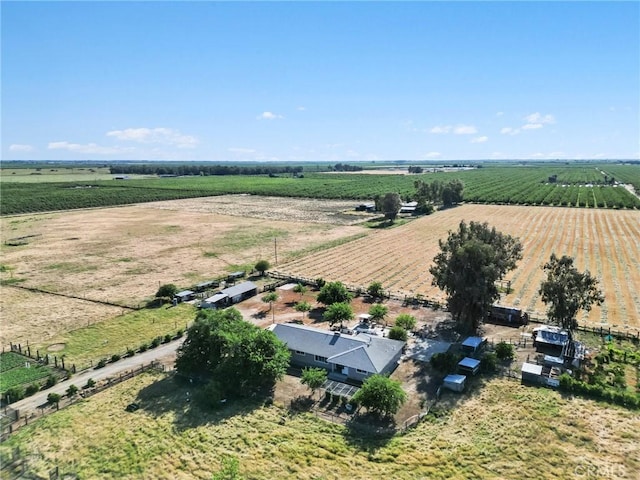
column 101, row 364
column 14, row 394
column 72, row 390
column 320, row 282
column 444, row 361
column 406, row 321
column 31, row 389
column 143, row 348
column 167, row 290
column 155, row 342
column 398, row 333
column 51, row 381
column 179, row 333
column 505, row 351
column 130, row 353
column 489, row 362
column 167, row 338
column 90, row 383
column 115, row 357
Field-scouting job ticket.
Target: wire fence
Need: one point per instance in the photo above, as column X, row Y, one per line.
column 13, row 420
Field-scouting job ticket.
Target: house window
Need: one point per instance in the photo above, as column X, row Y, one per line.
column 361, row 371
column 321, row 359
column 298, row 352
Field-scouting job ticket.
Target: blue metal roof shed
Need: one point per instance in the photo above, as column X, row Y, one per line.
column 470, row 365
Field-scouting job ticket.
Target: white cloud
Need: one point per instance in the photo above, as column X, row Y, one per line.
column 441, row 129
column 539, row 118
column 241, row 150
column 465, row 130
column 163, row 136
column 510, row 131
column 532, row 126
column 86, row 148
column 17, row 147
column 481, row 139
column 301, row 109
column 499, row 114
column 269, row 116
column 433, row 155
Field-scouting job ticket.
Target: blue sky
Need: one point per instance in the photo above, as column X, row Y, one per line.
column 333, row 81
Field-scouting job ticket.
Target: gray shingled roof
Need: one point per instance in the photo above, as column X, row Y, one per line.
column 364, row 352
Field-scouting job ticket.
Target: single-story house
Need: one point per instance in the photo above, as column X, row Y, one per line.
column 231, row 295
column 472, row 345
column 455, row 382
column 184, row 296
column 469, row 365
column 346, row 357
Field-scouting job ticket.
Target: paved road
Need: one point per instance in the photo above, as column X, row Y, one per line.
column 31, row 403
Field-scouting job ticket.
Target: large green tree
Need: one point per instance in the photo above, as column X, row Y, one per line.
column 381, row 395
column 390, row 205
column 334, row 292
column 338, row 313
column 471, row 261
column 566, row 291
column 262, row 266
column 375, row 291
column 241, row 357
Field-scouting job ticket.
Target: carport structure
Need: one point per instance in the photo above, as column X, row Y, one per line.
column 341, row 389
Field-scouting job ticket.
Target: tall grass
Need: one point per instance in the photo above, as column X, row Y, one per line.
column 504, row 430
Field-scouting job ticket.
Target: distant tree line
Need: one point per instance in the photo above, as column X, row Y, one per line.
column 343, row 167
column 204, row 170
column 438, row 192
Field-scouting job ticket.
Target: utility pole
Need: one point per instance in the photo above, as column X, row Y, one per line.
column 275, row 248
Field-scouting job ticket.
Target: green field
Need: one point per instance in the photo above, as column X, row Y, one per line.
column 14, row 372
column 88, row 345
column 501, row 430
column 578, row 185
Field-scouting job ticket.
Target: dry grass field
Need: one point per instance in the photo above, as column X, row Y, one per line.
column 501, row 431
column 122, row 255
column 606, row 242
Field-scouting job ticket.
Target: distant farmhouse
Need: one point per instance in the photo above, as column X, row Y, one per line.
column 346, row 357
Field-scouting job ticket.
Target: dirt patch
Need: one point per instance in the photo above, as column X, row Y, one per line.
column 123, row 254
column 55, row 347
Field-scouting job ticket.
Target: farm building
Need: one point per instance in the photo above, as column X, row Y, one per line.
column 219, row 300
column 232, row 277
column 208, row 285
column 184, row 296
column 346, row 357
column 540, row 374
column 455, row 382
column 366, row 207
column 231, row 295
column 472, row 345
column 469, row 366
column 507, row 316
column 550, row 338
column 408, row 207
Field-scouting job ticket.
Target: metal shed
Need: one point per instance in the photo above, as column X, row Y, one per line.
column 455, row 382
column 469, row 365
